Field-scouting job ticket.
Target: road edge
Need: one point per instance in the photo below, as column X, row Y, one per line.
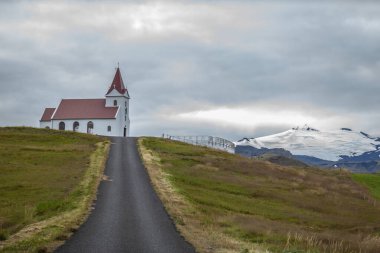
column 171, row 200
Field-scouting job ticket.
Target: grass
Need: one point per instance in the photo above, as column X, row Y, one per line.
column 48, row 179
column 371, row 181
column 226, row 203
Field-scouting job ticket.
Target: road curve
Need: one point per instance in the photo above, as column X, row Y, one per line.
column 128, row 215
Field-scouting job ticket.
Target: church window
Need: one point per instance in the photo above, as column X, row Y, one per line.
column 90, row 127
column 109, row 128
column 115, row 102
column 75, row 126
column 125, row 103
column 61, row 125
column 126, row 111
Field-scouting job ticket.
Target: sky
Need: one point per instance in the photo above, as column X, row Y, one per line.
column 231, row 69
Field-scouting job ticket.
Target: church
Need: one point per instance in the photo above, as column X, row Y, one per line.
column 107, row 116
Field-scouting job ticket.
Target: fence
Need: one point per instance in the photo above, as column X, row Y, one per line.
column 207, row 141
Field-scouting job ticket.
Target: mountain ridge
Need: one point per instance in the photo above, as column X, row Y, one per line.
column 355, row 150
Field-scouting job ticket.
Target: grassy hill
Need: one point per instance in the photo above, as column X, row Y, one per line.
column 47, row 180
column 226, row 203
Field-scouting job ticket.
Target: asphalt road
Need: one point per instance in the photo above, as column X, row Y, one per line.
column 128, row 215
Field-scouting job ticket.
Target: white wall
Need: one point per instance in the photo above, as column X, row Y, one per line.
column 123, row 113
column 44, row 124
column 114, row 95
column 100, row 126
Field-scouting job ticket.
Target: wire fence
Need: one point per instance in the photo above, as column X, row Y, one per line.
column 206, row 141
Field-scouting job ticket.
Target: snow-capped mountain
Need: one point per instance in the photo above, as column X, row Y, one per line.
column 325, row 145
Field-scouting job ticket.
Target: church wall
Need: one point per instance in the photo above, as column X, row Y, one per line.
column 44, row 124
column 127, row 122
column 100, row 126
column 121, row 121
column 123, row 103
column 114, row 95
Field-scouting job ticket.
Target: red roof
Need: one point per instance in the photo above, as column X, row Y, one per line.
column 84, row 109
column 46, row 116
column 118, row 84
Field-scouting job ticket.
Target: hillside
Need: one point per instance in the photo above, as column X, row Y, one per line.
column 226, row 203
column 47, row 181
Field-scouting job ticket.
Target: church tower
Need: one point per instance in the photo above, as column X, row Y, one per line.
column 118, row 96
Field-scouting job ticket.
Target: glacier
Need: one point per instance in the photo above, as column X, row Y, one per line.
column 325, row 145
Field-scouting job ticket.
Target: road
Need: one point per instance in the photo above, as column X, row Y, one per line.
column 128, row 215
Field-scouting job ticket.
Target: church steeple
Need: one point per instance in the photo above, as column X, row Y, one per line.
column 118, row 84
column 117, row 96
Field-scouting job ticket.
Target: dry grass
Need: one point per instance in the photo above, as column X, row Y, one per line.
column 45, row 231
column 226, row 203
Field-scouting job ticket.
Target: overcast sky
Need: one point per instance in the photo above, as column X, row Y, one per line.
column 227, row 68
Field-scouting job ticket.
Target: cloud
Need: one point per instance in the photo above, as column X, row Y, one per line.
column 201, row 67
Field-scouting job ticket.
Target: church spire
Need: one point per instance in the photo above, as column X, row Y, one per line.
column 118, row 84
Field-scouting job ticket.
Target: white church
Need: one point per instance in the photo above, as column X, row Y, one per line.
column 107, row 116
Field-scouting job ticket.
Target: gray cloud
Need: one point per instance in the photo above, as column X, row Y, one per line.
column 319, row 61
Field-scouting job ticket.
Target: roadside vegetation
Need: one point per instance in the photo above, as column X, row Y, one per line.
column 48, row 180
column 222, row 202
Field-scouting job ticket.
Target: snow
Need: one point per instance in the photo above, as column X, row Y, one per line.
column 327, row 145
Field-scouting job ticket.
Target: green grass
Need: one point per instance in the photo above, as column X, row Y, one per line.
column 284, row 208
column 40, row 171
column 371, row 181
